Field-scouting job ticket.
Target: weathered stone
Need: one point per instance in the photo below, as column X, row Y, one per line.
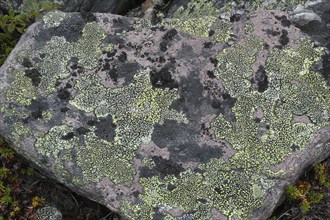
column 48, row 213
column 193, row 117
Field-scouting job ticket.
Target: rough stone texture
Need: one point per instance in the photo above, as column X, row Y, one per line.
column 193, row 117
column 48, row 213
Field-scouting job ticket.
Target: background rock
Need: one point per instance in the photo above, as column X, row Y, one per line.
column 166, row 118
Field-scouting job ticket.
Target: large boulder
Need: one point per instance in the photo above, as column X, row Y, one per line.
column 193, row 117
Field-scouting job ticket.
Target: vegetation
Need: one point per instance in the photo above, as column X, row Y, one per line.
column 16, row 201
column 309, row 198
column 13, row 25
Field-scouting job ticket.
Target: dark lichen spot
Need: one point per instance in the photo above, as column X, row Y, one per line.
column 169, row 35
column 37, row 107
column 284, row 20
column 211, row 33
column 92, row 122
column 294, row 148
column 68, row 86
column 136, row 193
column 214, row 61
column 113, row 74
column 63, row 94
column 216, row 104
column 272, row 32
column 235, row 18
column 260, row 78
column 122, row 57
column 65, row 109
column 88, row 17
column 68, row 136
column 82, row 130
column 285, row 23
column 325, row 71
column 166, row 167
column 266, row 46
column 217, row 190
column 208, row 44
column 34, row 75
column 171, row 187
column 210, row 74
column 163, row 46
column 257, row 120
column 284, row 39
column 106, row 66
column 105, row 128
column 36, row 114
column 27, row 63
column 162, row 79
column 162, row 59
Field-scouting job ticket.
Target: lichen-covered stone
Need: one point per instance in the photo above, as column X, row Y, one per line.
column 189, row 117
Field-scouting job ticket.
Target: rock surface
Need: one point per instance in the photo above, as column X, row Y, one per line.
column 192, row 117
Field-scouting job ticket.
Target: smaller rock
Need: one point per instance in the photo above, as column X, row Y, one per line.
column 304, row 17
column 48, row 213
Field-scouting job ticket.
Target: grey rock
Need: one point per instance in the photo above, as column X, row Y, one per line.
column 48, row 213
column 110, row 6
column 193, row 117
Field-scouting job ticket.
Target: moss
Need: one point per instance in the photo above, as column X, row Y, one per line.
column 21, row 90
column 36, row 5
column 7, row 45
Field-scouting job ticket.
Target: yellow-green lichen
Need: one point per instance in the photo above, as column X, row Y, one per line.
column 19, row 133
column 88, row 46
column 21, row 90
column 55, row 56
column 100, row 158
column 148, row 162
column 54, row 18
column 293, row 90
column 135, row 109
column 57, row 139
column 231, row 192
column 234, row 68
column 198, row 18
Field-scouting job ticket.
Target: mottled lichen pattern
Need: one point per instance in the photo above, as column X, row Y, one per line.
column 293, row 90
column 54, row 18
column 57, row 139
column 88, row 47
column 100, row 158
column 135, row 109
column 234, row 68
column 21, row 90
column 198, row 193
column 52, row 60
column 197, row 18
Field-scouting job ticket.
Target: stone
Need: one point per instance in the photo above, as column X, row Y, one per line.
column 188, row 117
column 48, row 213
column 109, row 6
